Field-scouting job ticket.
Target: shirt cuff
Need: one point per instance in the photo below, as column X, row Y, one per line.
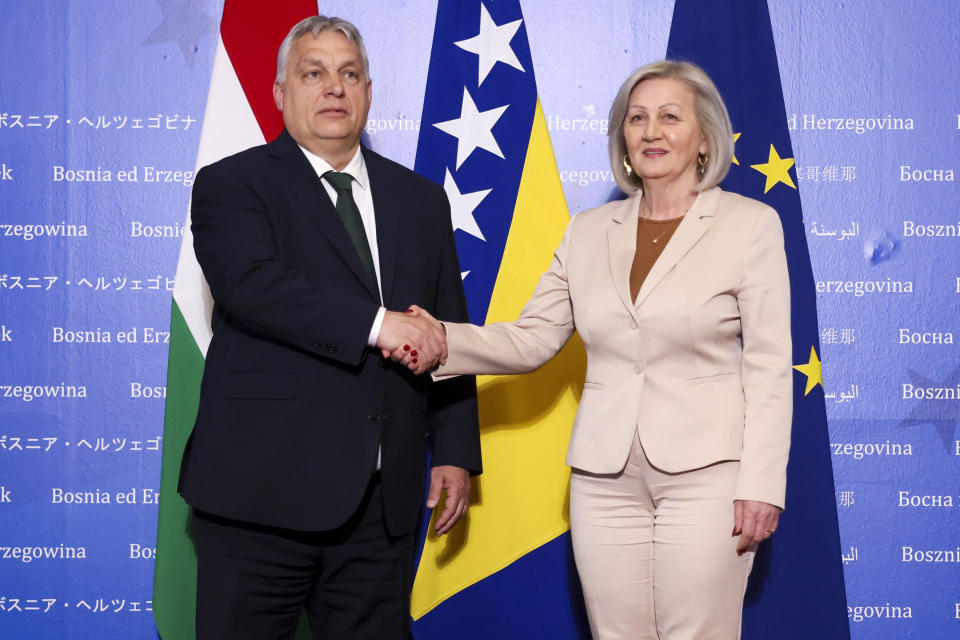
column 375, row 329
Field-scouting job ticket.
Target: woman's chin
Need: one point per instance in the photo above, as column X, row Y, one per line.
column 660, row 175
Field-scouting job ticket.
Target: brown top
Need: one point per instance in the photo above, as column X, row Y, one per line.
column 652, row 237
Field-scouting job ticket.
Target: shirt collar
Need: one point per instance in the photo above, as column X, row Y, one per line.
column 357, row 168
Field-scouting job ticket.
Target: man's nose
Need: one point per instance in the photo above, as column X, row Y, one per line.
column 334, row 85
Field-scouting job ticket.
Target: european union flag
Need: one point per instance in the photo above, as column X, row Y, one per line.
column 507, row 572
column 796, row 589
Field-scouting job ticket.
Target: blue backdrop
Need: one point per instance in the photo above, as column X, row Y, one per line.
column 101, row 106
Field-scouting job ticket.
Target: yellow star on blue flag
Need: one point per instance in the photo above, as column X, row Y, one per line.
column 776, row 169
column 813, row 370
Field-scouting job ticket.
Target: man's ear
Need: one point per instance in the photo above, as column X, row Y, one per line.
column 278, row 95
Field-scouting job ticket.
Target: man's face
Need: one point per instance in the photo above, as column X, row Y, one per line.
column 326, row 94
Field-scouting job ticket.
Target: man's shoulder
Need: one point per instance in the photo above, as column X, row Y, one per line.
column 238, row 162
column 383, row 167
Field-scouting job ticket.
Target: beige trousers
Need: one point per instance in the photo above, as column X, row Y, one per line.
column 655, row 552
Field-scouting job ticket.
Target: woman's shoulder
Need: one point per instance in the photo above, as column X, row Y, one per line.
column 733, row 203
column 737, row 210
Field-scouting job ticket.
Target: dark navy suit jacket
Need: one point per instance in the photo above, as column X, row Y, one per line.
column 294, row 405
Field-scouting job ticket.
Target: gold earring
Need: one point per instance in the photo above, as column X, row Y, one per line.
column 626, row 165
column 702, row 161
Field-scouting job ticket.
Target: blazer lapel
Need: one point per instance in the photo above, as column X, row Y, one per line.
column 388, row 211
column 305, row 185
column 688, row 232
column 622, row 244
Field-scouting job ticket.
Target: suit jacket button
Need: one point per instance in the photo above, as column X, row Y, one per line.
column 633, row 324
column 638, row 369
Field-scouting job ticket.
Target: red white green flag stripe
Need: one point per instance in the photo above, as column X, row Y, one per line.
column 239, row 114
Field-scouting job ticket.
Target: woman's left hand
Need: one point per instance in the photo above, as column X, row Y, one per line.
column 754, row 522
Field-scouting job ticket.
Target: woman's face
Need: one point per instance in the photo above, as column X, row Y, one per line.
column 661, row 131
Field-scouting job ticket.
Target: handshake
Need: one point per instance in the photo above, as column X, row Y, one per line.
column 414, row 339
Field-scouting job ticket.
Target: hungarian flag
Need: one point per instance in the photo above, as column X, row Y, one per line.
column 240, row 114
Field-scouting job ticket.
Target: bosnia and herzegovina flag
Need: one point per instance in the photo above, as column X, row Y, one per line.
column 796, row 590
column 508, row 573
column 240, row 113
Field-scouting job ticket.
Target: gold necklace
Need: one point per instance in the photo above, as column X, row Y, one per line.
column 652, row 238
column 645, row 228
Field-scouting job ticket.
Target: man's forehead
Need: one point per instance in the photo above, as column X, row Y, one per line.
column 331, row 40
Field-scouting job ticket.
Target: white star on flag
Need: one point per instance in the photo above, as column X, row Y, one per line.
column 473, row 128
column 462, row 206
column 464, row 274
column 492, row 44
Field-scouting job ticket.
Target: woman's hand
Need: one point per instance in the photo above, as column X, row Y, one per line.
column 408, row 356
column 754, row 522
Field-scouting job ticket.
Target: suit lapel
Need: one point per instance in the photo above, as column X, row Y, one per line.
column 388, row 210
column 688, row 232
column 305, row 185
column 622, row 244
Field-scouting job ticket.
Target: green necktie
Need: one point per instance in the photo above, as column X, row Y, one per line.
column 350, row 214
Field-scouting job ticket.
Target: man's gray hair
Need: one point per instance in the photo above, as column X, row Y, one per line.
column 316, row 25
column 711, row 114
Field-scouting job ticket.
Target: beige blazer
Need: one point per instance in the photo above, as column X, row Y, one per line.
column 699, row 365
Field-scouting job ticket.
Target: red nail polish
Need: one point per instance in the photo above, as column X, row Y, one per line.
column 414, row 353
column 406, row 347
column 414, row 361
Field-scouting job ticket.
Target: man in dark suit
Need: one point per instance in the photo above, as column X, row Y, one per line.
column 306, row 466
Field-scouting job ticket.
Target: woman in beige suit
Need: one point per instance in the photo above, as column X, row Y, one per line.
column 681, row 296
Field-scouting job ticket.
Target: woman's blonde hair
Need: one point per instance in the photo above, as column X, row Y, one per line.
column 711, row 114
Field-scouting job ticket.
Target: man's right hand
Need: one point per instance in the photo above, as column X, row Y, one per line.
column 420, row 338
